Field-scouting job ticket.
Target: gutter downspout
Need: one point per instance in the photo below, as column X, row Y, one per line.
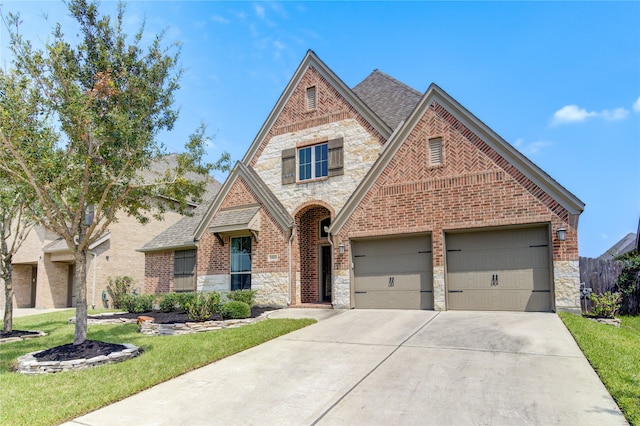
column 293, row 231
column 330, row 238
column 93, row 296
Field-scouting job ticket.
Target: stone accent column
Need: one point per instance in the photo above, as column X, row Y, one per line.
column 439, row 296
column 341, row 289
column 566, row 278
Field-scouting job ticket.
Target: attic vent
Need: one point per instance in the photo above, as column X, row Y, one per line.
column 435, row 152
column 311, row 98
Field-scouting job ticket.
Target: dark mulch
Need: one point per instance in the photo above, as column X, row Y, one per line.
column 174, row 317
column 85, row 350
column 16, row 333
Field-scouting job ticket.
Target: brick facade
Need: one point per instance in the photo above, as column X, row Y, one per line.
column 158, row 267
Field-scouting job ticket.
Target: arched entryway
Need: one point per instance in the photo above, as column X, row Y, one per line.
column 314, row 254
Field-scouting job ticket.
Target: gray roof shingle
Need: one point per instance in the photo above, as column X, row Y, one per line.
column 389, row 98
column 180, row 234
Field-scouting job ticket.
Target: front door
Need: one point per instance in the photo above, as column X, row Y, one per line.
column 325, row 273
column 34, row 282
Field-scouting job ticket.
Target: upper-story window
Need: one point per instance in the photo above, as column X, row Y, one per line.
column 435, row 152
column 313, row 162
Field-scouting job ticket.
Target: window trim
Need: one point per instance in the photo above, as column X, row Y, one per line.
column 231, row 262
column 313, row 162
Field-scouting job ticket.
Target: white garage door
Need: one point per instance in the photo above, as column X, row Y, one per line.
column 505, row 270
column 393, row 273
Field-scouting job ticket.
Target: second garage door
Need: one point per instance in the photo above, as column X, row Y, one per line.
column 393, row 273
column 504, row 270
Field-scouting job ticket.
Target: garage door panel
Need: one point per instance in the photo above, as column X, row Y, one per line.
column 393, row 273
column 499, row 270
column 394, row 300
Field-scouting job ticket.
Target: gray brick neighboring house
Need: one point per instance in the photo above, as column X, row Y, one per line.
column 43, row 267
column 379, row 196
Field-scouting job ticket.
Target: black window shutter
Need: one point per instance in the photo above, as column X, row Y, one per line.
column 289, row 166
column 336, row 160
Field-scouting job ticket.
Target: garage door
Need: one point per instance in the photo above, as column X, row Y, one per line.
column 393, row 273
column 505, row 270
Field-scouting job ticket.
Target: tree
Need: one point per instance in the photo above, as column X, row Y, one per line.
column 20, row 121
column 109, row 97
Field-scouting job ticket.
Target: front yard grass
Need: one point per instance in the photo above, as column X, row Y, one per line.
column 614, row 354
column 56, row 398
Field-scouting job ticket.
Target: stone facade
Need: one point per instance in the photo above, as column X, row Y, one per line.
column 566, row 274
column 361, row 150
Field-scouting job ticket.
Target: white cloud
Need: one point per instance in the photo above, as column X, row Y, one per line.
column 636, row 105
column 616, row 114
column 259, row 11
column 571, row 114
column 219, row 19
column 575, row 114
column 531, row 149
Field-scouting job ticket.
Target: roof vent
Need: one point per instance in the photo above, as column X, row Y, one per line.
column 435, row 152
column 311, row 98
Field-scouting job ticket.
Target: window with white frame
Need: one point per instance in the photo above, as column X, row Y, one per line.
column 435, row 152
column 313, row 162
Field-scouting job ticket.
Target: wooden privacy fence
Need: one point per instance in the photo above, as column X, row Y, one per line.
column 601, row 276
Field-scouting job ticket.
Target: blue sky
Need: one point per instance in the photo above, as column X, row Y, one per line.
column 558, row 80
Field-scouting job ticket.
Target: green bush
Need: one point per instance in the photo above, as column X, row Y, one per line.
column 235, row 310
column 606, row 304
column 169, row 302
column 184, row 300
column 214, row 301
column 199, row 308
column 138, row 303
column 245, row 296
column 119, row 287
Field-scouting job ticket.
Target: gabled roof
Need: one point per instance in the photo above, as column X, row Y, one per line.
column 262, row 191
column 389, row 98
column 311, row 60
column 435, row 94
column 59, row 245
column 180, row 235
column 625, row 245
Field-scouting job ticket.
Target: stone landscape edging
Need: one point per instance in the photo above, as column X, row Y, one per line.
column 23, row 337
column 29, row 364
column 156, row 329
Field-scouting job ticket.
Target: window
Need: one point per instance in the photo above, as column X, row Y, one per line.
column 435, row 152
column 313, row 162
column 241, row 263
column 184, row 262
column 324, row 227
column 323, row 160
column 311, row 98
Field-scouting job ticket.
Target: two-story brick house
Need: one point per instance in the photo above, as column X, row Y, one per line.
column 380, row 196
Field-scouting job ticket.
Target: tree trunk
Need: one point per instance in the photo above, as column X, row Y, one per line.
column 80, row 278
column 8, row 291
column 8, row 305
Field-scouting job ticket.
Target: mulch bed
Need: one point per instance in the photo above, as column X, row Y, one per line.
column 16, row 333
column 85, row 350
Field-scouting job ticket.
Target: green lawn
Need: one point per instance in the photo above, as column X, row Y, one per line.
column 55, row 398
column 614, row 354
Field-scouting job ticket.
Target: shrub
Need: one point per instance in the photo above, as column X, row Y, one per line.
column 169, row 302
column 235, row 310
column 119, row 287
column 214, row 302
column 245, row 296
column 199, row 308
column 138, row 303
column 184, row 300
column 606, row 304
column 628, row 283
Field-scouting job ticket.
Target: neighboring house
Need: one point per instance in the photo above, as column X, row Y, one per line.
column 381, row 197
column 628, row 243
column 43, row 268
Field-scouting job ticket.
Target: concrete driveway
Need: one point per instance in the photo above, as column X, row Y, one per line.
column 388, row 367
